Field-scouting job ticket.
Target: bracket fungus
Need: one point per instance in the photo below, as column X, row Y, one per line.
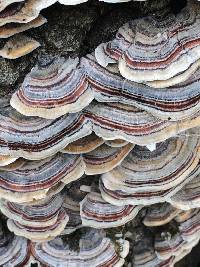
column 160, row 214
column 31, row 180
column 95, row 249
column 97, row 213
column 24, row 11
column 84, row 145
column 39, row 221
column 35, row 180
column 145, row 177
column 11, row 29
column 18, row 46
column 61, row 85
column 36, row 138
column 138, row 45
column 99, row 152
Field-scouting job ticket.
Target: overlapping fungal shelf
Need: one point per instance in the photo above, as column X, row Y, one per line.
column 100, row 154
column 17, row 16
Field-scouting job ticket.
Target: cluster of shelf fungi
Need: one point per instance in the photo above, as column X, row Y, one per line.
column 100, row 154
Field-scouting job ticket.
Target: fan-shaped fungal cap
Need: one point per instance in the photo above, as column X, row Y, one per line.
column 96, row 212
column 117, row 121
column 37, row 179
column 36, row 138
column 9, row 30
column 18, row 46
column 43, row 213
column 177, row 102
column 40, row 221
column 189, row 196
column 138, row 44
column 168, row 167
column 112, row 51
column 37, row 233
column 119, row 197
column 53, row 88
column 84, row 145
column 105, row 158
column 23, row 12
column 160, row 214
column 102, row 158
column 72, row 91
column 94, row 250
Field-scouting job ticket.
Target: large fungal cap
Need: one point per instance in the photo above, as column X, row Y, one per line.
column 138, row 44
column 53, row 88
column 59, row 86
column 18, row 46
column 94, row 249
column 23, row 12
column 40, row 213
column 189, row 196
column 105, row 158
column 9, row 30
column 36, row 138
column 96, row 212
column 160, row 214
column 39, row 234
column 37, row 179
column 30, row 180
column 112, row 51
column 117, row 121
column 168, row 167
column 41, row 221
column 119, row 197
column 177, row 102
